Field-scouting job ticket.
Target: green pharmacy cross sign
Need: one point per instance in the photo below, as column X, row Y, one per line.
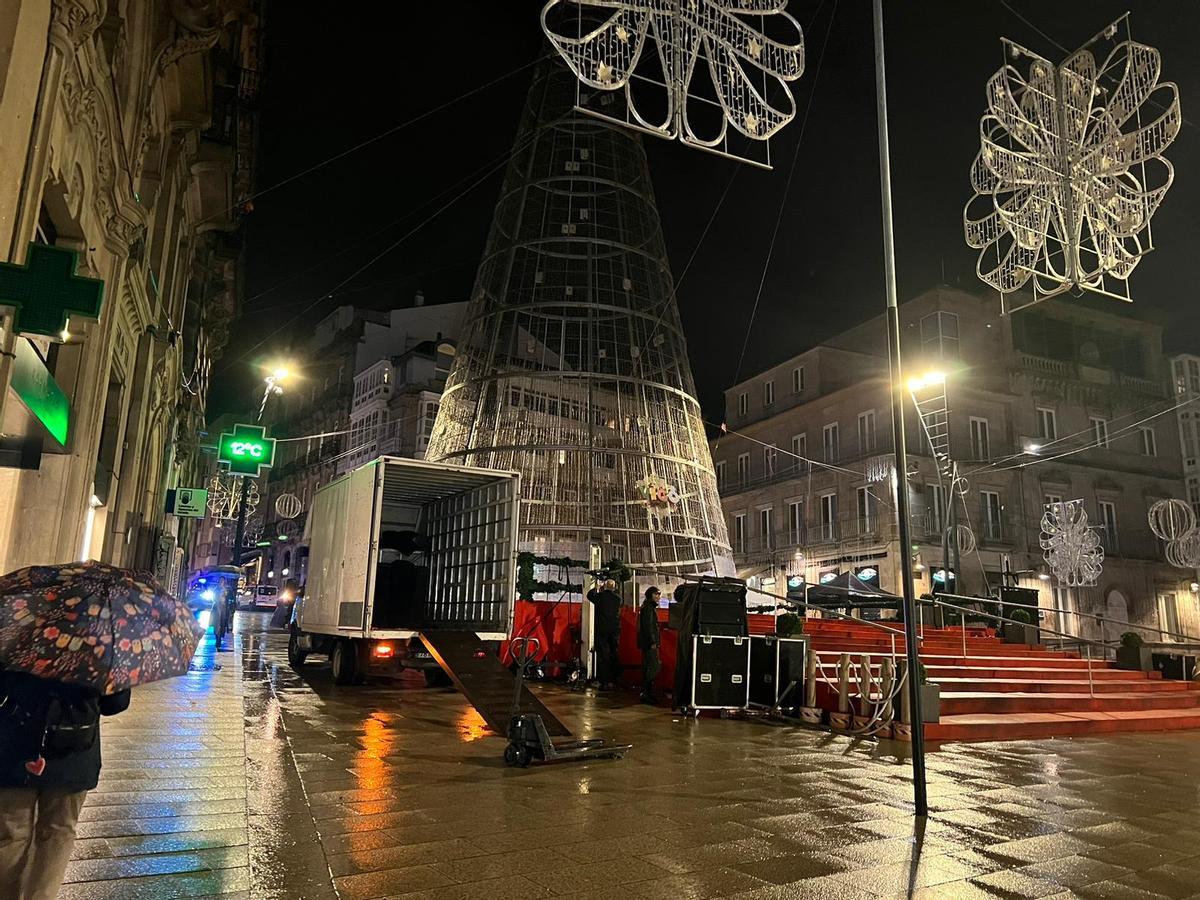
column 247, row 451
column 45, row 291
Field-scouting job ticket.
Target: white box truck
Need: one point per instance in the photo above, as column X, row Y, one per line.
column 401, row 548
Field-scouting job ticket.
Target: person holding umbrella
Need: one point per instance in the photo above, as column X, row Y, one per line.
column 73, row 640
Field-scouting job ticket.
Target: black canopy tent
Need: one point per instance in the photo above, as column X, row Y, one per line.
column 848, row 592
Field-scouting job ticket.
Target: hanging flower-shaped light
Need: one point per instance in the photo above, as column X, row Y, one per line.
column 1070, row 168
column 1072, row 548
column 673, row 42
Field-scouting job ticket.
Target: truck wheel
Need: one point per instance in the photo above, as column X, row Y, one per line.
column 435, row 678
column 296, row 656
column 345, row 662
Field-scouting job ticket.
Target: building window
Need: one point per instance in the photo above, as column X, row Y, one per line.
column 1194, row 376
column 1168, row 617
column 743, row 403
column 829, row 517
column 796, row 523
column 866, row 523
column 743, row 468
column 800, row 452
column 1063, row 611
column 939, row 335
column 768, row 393
column 980, row 439
column 798, row 380
column 739, row 534
column 1047, row 424
column 765, row 527
column 866, row 432
column 992, row 528
column 829, row 435
column 1193, row 492
column 720, row 467
column 1108, row 523
column 935, row 509
column 770, row 460
column 1149, row 443
column 1051, row 499
column 1099, row 431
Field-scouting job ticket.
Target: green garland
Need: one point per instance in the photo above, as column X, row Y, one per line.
column 527, row 586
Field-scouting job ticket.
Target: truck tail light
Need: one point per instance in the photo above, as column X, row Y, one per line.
column 383, row 651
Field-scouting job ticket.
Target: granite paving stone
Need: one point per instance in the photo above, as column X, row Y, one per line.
column 253, row 780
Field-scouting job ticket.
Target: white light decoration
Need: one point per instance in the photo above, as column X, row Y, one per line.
column 964, row 538
column 1184, row 552
column 679, row 62
column 1072, row 548
column 1170, row 519
column 1070, row 169
column 223, row 496
column 288, row 506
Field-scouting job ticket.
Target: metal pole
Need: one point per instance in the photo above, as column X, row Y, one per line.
column 239, row 532
column 893, row 321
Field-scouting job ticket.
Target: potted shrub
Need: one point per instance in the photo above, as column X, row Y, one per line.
column 1133, row 654
column 789, row 625
column 1021, row 629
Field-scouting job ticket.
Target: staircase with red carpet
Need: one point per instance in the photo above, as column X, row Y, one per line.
column 998, row 691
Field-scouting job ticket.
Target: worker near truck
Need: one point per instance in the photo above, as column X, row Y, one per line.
column 649, row 639
column 607, row 631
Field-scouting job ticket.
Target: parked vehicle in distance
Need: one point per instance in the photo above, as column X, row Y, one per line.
column 259, row 596
column 399, row 547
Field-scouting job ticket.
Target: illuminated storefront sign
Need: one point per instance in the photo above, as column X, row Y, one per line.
column 247, row 451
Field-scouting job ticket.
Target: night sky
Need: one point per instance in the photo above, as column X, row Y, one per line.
column 335, row 81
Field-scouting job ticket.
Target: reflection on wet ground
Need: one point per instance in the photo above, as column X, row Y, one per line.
column 254, row 781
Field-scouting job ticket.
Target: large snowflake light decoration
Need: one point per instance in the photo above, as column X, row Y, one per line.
column 1072, row 548
column 1070, row 169
column 703, row 56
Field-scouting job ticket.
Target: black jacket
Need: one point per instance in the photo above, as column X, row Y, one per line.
column 648, row 633
column 608, row 612
column 30, row 709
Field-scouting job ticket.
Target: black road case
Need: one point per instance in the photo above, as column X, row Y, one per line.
column 777, row 671
column 720, row 672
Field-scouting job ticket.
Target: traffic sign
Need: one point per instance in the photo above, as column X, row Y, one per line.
column 191, row 503
column 247, row 450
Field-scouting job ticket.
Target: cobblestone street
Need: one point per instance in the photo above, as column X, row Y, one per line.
column 251, row 781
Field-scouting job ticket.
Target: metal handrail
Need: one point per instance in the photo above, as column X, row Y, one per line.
column 937, row 601
column 1071, row 612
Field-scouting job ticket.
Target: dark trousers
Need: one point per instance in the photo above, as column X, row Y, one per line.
column 651, row 666
column 608, row 660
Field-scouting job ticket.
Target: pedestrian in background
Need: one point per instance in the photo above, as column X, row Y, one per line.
column 607, row 633
column 649, row 639
column 49, row 760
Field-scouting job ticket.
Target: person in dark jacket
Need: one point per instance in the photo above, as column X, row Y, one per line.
column 49, row 760
column 649, row 639
column 607, row 633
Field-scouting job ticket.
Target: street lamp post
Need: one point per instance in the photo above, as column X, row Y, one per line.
column 273, row 386
column 897, row 391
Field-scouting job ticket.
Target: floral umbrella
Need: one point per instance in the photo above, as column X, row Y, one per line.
column 93, row 625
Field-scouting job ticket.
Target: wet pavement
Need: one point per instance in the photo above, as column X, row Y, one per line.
column 252, row 781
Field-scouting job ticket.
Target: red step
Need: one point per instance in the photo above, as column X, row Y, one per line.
column 958, row 703
column 1000, row 691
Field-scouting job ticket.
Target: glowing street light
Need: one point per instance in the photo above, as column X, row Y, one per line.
column 929, row 379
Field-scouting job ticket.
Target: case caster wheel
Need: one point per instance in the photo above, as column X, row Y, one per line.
column 517, row 756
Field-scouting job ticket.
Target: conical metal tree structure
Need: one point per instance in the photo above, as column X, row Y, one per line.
column 572, row 367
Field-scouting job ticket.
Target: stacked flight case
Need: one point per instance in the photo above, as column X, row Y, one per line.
column 777, row 672
column 713, row 666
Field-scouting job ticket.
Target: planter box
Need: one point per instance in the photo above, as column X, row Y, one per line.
column 1021, row 634
column 931, row 703
column 1135, row 659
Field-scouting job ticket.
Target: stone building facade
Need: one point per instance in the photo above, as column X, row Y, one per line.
column 1062, row 401
column 127, row 134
